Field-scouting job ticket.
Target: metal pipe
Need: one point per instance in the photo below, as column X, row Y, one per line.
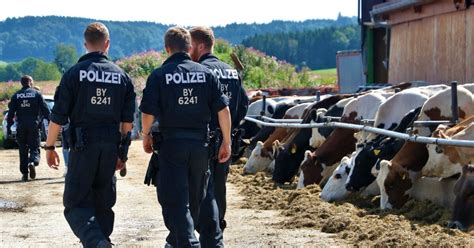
column 404, row 136
column 334, row 118
column 454, row 102
column 318, row 95
column 281, row 120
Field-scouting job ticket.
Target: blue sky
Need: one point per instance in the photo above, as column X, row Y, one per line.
column 183, row 12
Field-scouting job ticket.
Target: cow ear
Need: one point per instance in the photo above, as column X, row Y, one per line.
column 260, row 143
column 294, row 148
column 307, row 154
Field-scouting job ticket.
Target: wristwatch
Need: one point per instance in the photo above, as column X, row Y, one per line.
column 49, row 148
column 145, row 134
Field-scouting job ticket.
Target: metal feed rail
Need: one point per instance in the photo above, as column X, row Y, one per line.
column 404, row 136
column 331, row 118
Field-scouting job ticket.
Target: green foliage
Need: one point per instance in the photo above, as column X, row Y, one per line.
column 3, row 64
column 8, row 89
column 263, row 71
column 36, row 68
column 38, row 36
column 313, row 48
column 142, row 64
column 65, row 56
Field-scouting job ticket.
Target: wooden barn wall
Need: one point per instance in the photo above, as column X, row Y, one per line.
column 437, row 49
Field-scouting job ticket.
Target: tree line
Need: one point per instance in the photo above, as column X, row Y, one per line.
column 38, row 36
column 315, row 48
column 65, row 56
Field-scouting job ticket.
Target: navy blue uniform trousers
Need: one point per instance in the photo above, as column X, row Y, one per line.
column 89, row 192
column 182, row 183
column 28, row 140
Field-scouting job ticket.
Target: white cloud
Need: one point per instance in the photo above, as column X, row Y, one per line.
column 183, row 12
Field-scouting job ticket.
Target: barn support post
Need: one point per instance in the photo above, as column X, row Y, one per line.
column 264, row 105
column 454, row 102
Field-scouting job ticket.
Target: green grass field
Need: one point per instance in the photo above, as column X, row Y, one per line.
column 326, row 76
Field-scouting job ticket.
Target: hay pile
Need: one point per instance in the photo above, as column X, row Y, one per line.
column 358, row 221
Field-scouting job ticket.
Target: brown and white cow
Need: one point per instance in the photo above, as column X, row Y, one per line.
column 395, row 177
column 318, row 165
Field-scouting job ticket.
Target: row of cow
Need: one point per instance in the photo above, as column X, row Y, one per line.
column 344, row 161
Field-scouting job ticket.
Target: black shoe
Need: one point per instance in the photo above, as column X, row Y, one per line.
column 32, row 171
column 24, row 178
column 123, row 172
column 104, row 244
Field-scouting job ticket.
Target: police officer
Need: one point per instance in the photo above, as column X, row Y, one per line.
column 231, row 85
column 28, row 105
column 98, row 100
column 183, row 95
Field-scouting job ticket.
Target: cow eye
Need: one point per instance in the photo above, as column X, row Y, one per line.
column 338, row 176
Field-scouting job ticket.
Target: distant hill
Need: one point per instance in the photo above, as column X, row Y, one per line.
column 38, row 36
column 315, row 48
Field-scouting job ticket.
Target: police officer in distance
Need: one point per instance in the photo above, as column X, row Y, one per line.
column 183, row 95
column 98, row 100
column 29, row 108
column 231, row 85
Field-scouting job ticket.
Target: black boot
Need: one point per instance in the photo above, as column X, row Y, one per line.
column 32, row 171
column 104, row 244
column 24, row 178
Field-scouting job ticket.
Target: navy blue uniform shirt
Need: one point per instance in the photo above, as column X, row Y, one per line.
column 27, row 104
column 182, row 94
column 94, row 93
column 231, row 86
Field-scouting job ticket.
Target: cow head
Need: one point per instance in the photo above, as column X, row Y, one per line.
column 363, row 171
column 259, row 160
column 463, row 211
column 286, row 162
column 334, row 190
column 312, row 174
column 394, row 182
column 317, row 138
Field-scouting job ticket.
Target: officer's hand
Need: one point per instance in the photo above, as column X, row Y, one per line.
column 224, row 152
column 119, row 165
column 53, row 159
column 147, row 144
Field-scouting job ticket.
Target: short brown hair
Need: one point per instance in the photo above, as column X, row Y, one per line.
column 25, row 80
column 178, row 39
column 203, row 35
column 96, row 32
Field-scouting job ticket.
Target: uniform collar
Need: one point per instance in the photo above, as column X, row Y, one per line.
column 179, row 56
column 207, row 56
column 93, row 55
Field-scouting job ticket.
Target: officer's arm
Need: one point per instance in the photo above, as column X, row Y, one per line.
column 147, row 121
column 63, row 100
column 53, row 131
column 44, row 107
column 243, row 106
column 224, row 124
column 128, row 110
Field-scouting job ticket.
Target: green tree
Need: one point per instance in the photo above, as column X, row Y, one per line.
column 65, row 56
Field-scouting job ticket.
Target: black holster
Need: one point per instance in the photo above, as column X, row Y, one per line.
column 215, row 139
column 153, row 165
column 237, row 135
column 125, row 142
column 76, row 137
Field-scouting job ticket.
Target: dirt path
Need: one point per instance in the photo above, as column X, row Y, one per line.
column 37, row 220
